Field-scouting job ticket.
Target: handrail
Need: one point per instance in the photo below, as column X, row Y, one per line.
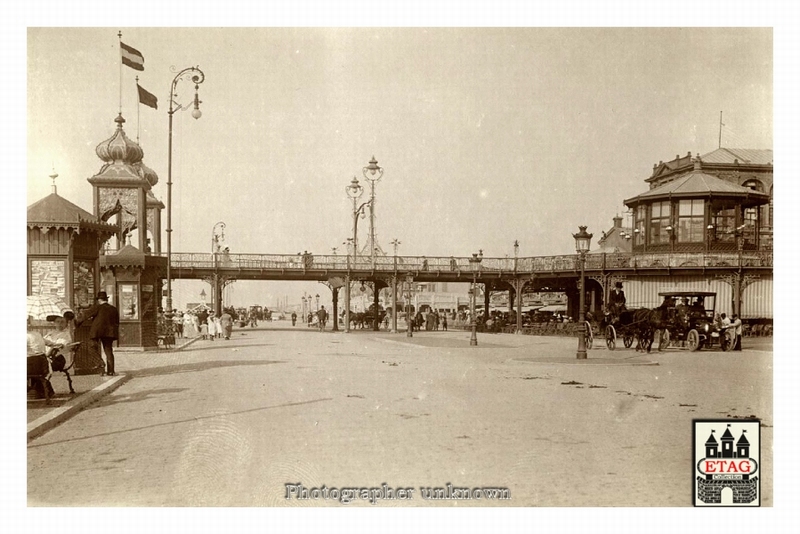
column 462, row 265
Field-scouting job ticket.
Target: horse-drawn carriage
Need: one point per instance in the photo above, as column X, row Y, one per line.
column 688, row 317
column 631, row 325
column 685, row 317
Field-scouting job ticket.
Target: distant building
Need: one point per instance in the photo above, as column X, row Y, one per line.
column 615, row 240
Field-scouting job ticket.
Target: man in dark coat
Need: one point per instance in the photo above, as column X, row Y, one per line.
column 104, row 329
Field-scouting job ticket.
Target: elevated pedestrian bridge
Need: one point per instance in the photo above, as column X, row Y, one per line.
column 189, row 265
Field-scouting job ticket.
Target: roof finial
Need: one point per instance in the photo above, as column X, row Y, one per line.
column 53, row 177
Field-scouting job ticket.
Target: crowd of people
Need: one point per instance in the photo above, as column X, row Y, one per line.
column 190, row 324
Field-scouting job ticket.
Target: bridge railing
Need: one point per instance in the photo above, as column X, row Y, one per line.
column 536, row 264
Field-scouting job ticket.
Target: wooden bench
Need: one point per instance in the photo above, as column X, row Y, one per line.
column 39, row 373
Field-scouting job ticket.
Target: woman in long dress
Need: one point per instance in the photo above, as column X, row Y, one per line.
column 212, row 326
column 189, row 330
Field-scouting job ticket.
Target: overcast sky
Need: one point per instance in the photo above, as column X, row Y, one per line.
column 486, row 136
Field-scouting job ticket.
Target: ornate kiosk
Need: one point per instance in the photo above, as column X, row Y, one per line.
column 130, row 274
column 64, row 243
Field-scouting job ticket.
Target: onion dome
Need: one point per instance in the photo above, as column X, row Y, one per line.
column 119, row 148
column 147, row 173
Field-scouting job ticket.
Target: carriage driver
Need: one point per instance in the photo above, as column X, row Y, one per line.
column 616, row 300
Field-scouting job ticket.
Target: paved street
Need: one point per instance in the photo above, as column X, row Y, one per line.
column 229, row 423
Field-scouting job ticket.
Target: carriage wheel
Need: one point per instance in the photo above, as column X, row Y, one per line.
column 611, row 337
column 627, row 340
column 589, row 335
column 693, row 340
column 726, row 340
column 663, row 340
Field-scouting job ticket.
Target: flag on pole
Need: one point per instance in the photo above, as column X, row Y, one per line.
column 147, row 98
column 131, row 57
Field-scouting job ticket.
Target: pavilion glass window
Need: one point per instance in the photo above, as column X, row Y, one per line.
column 660, row 216
column 770, row 208
column 725, row 226
column 690, row 221
column 640, row 219
column 750, row 226
column 763, row 212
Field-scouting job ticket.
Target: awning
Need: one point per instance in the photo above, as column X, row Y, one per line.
column 554, row 308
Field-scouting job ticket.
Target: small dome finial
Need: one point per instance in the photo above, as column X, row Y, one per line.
column 53, row 177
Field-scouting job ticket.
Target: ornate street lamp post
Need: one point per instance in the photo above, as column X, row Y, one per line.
column 395, row 242
column 475, row 265
column 217, row 237
column 354, row 191
column 303, row 317
column 583, row 241
column 317, row 303
column 197, row 78
column 373, row 173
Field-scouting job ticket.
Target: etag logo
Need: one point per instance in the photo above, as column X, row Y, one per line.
column 727, row 454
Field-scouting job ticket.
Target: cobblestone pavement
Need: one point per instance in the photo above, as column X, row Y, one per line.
column 229, row 423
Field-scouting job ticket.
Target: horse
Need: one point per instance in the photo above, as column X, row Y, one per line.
column 640, row 323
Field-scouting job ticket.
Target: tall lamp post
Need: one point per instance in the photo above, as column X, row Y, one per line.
column 583, row 241
column 354, row 191
column 217, row 237
column 475, row 264
column 317, row 304
column 395, row 243
column 197, row 77
column 373, row 173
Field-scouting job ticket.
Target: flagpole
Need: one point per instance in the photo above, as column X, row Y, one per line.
column 138, row 107
column 119, row 34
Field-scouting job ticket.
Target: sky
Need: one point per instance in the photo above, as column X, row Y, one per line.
column 485, row 135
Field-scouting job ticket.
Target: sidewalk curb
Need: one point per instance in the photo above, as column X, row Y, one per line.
column 46, row 422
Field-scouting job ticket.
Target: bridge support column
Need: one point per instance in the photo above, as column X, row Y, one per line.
column 376, row 325
column 393, row 284
column 347, row 304
column 518, row 285
column 217, row 290
column 335, row 291
column 487, row 289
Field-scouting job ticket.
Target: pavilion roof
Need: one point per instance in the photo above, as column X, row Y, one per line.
column 54, row 211
column 698, row 184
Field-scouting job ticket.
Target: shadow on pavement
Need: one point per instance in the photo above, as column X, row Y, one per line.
column 196, row 366
column 224, row 345
column 180, row 421
column 136, row 397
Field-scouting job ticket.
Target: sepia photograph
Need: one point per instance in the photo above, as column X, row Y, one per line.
column 384, row 267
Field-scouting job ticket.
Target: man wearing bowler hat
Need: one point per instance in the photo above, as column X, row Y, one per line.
column 105, row 328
